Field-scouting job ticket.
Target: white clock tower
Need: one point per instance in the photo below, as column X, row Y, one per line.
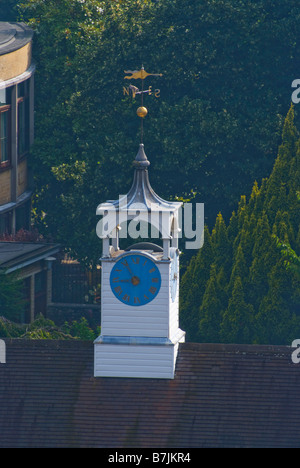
column 140, row 331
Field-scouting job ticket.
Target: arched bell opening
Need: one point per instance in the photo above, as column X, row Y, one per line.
column 140, row 216
column 133, row 234
column 161, row 229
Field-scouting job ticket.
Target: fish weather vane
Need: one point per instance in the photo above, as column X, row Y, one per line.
column 140, row 75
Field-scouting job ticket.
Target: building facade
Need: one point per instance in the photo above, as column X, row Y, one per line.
column 31, row 261
column 16, row 125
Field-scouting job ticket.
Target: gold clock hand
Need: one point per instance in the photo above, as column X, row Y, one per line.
column 128, row 268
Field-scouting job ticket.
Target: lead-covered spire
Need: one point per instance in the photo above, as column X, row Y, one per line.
column 141, row 161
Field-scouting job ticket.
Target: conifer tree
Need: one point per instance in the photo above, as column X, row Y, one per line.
column 276, row 321
column 239, row 268
column 211, row 310
column 279, row 182
column 221, row 244
column 233, row 227
column 193, row 286
column 259, row 253
column 236, row 326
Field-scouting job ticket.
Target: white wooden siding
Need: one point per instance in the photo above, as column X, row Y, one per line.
column 158, row 319
column 150, row 320
column 135, row 361
column 174, row 311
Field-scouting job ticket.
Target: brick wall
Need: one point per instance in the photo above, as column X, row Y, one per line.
column 5, row 195
column 22, row 177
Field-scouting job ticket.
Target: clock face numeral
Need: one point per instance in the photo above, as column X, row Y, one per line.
column 135, row 280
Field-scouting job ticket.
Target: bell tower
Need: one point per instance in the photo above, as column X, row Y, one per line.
column 140, row 331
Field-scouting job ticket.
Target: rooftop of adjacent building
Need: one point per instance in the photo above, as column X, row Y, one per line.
column 13, row 36
column 221, row 396
column 15, row 255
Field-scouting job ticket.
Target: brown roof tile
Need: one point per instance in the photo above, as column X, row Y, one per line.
column 222, row 396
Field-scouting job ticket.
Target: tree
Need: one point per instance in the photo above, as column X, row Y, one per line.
column 237, row 322
column 211, row 310
column 262, row 259
column 277, row 321
column 44, row 329
column 8, row 10
column 239, row 268
column 292, row 260
column 204, row 134
column 11, row 297
column 222, row 246
column 193, row 285
column 262, row 279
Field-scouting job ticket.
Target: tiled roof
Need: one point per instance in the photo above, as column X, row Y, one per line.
column 222, row 396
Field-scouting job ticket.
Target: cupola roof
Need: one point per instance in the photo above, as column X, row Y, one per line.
column 141, row 196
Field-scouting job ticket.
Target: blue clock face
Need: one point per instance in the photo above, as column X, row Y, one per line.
column 135, row 280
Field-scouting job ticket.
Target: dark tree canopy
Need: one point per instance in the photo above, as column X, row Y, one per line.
column 227, row 72
column 256, row 297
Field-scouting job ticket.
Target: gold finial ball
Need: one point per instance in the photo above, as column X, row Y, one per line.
column 142, row 112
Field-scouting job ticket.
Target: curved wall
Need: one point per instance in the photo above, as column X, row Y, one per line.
column 15, row 63
column 16, row 127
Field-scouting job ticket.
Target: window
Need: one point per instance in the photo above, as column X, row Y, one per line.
column 23, row 216
column 5, row 124
column 5, row 223
column 23, row 118
column 4, row 135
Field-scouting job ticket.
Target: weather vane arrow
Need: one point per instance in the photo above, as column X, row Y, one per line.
column 139, row 74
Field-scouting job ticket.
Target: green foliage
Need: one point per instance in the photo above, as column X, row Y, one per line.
column 292, row 260
column 11, row 296
column 8, row 10
column 193, row 286
column 45, row 329
column 211, row 308
column 237, row 321
column 9, row 329
column 80, row 330
column 226, row 67
column 258, row 299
